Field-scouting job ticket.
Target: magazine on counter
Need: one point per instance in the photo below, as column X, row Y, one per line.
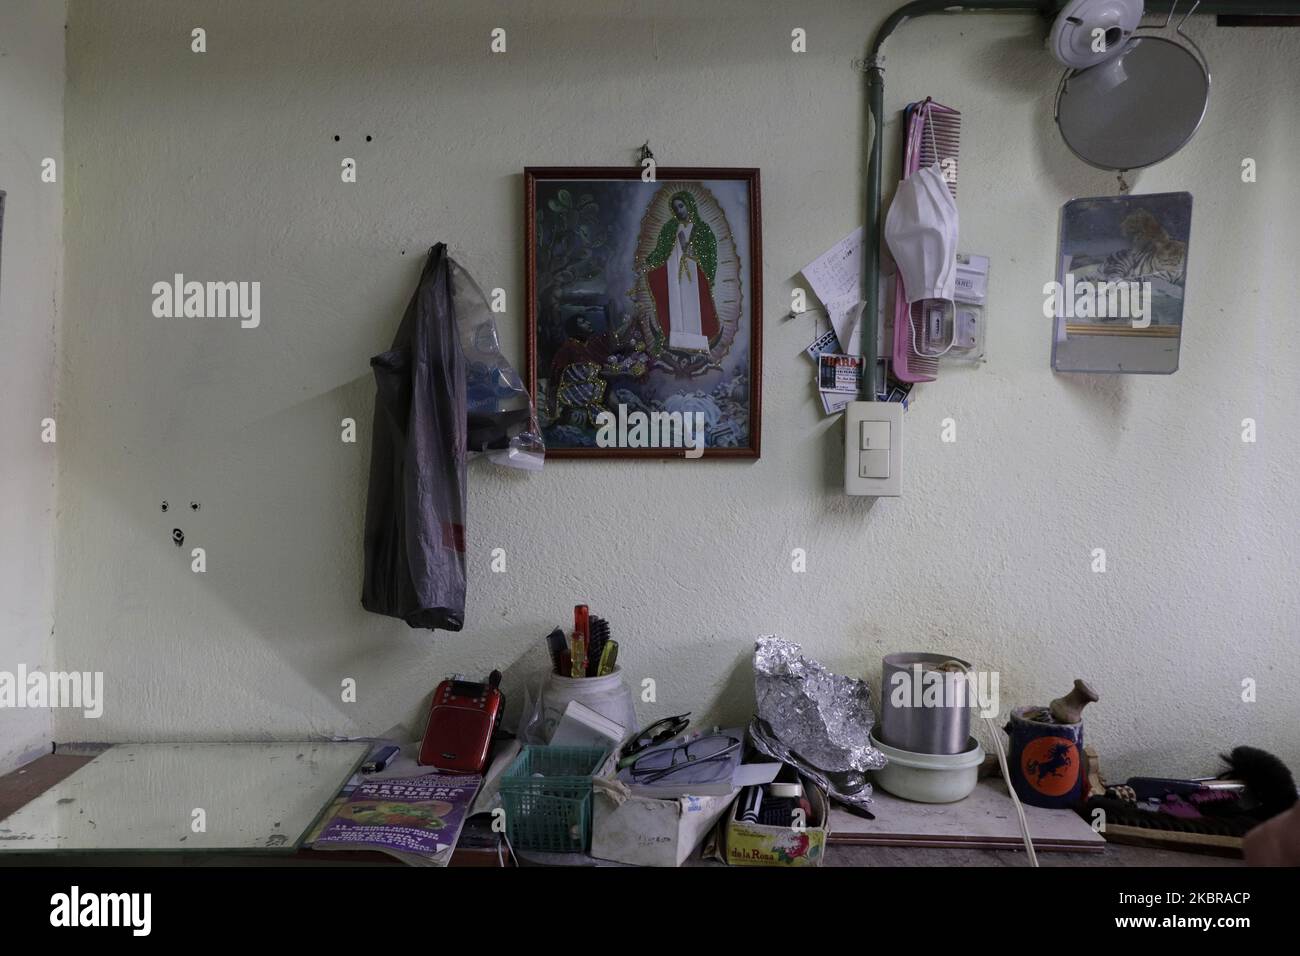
column 416, row 819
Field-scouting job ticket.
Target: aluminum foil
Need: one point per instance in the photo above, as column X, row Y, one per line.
column 815, row 720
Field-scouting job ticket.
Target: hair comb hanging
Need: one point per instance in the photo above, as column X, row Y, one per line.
column 933, row 136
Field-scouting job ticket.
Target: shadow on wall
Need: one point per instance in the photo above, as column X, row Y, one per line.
column 735, row 702
column 281, row 528
column 1020, row 67
column 282, row 547
column 414, row 44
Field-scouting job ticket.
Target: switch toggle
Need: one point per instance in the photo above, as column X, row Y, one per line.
column 873, row 464
column 874, row 435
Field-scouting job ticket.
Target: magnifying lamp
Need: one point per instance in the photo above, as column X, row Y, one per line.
column 1133, row 103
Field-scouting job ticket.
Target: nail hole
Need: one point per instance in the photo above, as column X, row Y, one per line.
column 194, row 506
column 336, row 137
column 369, row 138
column 164, row 506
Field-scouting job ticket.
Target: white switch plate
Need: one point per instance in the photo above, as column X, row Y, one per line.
column 873, row 449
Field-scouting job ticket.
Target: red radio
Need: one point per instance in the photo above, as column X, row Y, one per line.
column 462, row 720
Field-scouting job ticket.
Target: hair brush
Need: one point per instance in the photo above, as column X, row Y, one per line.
column 1120, row 813
column 599, row 638
column 1268, row 781
column 557, row 647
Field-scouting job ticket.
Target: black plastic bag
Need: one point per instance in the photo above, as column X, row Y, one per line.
column 415, row 511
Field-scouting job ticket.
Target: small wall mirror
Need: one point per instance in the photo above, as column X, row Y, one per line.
column 1139, row 106
column 1121, row 277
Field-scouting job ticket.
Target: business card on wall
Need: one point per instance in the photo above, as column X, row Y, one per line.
column 833, row 403
column 826, row 342
column 839, row 373
column 839, row 380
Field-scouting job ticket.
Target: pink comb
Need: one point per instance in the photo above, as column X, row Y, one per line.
column 933, row 136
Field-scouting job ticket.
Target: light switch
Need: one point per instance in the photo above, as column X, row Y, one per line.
column 874, row 464
column 874, row 435
column 873, row 449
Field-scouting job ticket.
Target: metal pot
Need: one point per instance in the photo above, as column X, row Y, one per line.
column 924, row 709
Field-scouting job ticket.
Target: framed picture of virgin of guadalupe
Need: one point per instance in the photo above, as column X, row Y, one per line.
column 644, row 311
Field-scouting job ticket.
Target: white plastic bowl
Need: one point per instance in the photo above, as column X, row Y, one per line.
column 929, row 778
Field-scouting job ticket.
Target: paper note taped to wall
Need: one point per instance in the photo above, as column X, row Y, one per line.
column 836, row 279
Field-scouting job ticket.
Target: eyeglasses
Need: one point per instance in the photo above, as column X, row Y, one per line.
column 656, row 733
column 658, row 764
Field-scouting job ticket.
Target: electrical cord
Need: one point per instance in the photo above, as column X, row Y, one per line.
column 1006, row 773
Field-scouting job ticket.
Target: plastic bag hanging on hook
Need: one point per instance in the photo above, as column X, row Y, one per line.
column 502, row 419
column 415, row 506
column 443, row 393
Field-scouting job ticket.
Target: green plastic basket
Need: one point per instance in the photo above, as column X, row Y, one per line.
column 551, row 812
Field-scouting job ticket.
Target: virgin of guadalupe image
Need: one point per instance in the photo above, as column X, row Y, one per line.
column 680, row 273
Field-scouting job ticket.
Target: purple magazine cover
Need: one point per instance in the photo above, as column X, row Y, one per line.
column 417, row 815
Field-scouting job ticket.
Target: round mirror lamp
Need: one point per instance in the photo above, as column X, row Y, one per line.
column 1136, row 108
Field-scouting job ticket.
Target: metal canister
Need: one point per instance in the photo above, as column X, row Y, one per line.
column 1045, row 759
column 924, row 709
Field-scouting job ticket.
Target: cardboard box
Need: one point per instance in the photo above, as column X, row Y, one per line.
column 753, row 844
column 644, row 831
column 583, row 727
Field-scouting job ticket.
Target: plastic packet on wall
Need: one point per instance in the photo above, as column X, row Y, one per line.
column 971, row 304
column 502, row 419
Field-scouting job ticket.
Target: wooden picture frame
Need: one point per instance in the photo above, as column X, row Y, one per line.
column 645, row 305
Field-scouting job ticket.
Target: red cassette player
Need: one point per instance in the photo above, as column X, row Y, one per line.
column 462, row 720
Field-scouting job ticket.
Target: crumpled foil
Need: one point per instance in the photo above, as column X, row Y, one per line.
column 816, row 721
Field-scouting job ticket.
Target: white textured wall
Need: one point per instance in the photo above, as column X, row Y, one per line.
column 223, row 166
column 31, row 258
